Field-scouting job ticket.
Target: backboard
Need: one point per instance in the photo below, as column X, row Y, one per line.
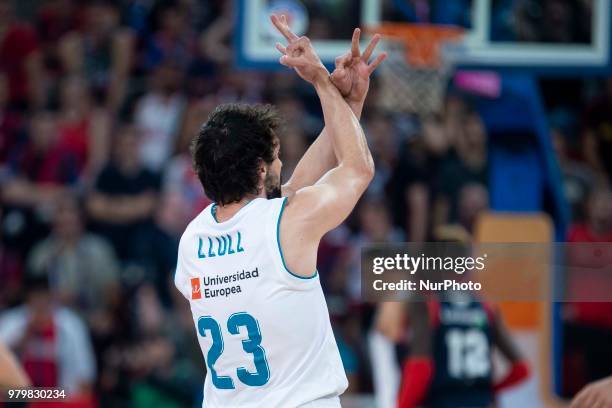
column 329, row 24
column 570, row 37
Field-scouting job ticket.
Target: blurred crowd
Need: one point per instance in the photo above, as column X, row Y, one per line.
column 98, row 102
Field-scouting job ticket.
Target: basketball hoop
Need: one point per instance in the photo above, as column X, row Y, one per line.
column 415, row 75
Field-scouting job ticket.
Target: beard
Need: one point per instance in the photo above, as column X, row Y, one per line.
column 272, row 184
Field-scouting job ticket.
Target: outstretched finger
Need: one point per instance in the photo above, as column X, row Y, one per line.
column 376, row 62
column 371, row 46
column 282, row 49
column 282, row 27
column 355, row 43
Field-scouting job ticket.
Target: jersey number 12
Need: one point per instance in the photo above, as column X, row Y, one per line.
column 468, row 353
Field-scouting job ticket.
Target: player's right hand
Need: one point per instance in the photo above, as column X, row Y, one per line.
column 299, row 53
column 595, row 395
column 353, row 69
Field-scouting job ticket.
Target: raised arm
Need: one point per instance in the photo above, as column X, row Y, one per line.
column 316, row 209
column 352, row 78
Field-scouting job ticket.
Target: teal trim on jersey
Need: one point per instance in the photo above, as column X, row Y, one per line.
column 212, row 212
column 280, row 251
column 214, row 205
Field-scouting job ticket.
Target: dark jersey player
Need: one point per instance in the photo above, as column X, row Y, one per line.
column 450, row 363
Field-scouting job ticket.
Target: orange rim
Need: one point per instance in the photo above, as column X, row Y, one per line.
column 422, row 41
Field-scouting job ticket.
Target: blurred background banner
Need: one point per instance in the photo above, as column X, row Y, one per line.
column 493, row 124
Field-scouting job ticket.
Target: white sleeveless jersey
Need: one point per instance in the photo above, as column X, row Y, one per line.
column 264, row 332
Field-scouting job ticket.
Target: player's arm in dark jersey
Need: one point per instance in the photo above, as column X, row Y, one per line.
column 418, row 368
column 519, row 369
column 352, row 78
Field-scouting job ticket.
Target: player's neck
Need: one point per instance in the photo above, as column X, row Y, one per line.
column 225, row 212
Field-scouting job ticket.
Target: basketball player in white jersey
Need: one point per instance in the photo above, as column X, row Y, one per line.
column 247, row 263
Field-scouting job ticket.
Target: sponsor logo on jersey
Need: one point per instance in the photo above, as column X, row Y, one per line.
column 221, row 286
column 196, row 291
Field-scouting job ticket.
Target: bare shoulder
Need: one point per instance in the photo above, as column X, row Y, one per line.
column 302, row 204
column 311, row 210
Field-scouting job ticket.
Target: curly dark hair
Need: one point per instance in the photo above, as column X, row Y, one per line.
column 230, row 147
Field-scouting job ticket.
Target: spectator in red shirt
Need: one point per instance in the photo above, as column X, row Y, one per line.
column 588, row 330
column 598, row 224
column 84, row 130
column 11, row 122
column 42, row 161
column 51, row 341
column 36, row 174
column 20, row 59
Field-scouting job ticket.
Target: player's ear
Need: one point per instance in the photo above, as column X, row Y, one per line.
column 262, row 170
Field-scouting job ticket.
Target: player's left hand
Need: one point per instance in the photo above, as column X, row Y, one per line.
column 352, row 73
column 597, row 394
column 299, row 53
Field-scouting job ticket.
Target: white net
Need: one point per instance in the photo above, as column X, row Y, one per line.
column 409, row 88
